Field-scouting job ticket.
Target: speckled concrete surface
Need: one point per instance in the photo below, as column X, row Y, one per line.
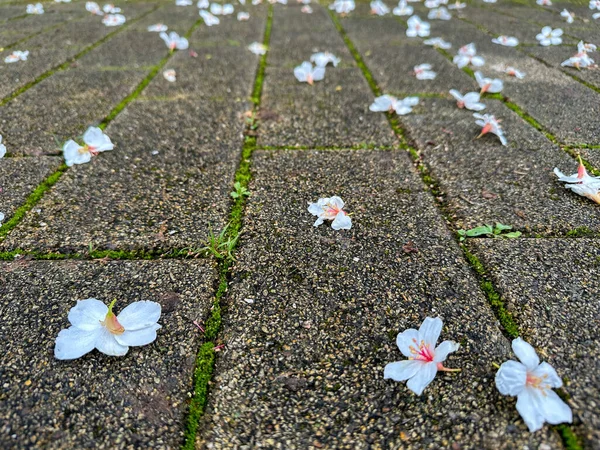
column 313, row 314
column 552, row 287
column 135, row 401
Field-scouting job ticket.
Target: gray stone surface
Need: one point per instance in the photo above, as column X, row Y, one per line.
column 19, row 177
column 303, row 366
column 135, row 401
column 552, row 287
column 486, row 182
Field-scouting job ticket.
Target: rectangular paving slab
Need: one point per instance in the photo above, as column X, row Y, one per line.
column 313, row 315
column 332, row 112
column 486, row 182
column 135, row 401
column 552, row 288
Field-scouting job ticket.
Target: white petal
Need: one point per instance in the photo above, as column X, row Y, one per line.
column 407, row 339
column 73, row 343
column 315, row 209
column 525, row 353
column 138, row 337
column 528, row 409
column 318, row 73
column 341, row 222
column 139, row 315
column 444, row 349
column 430, row 330
column 552, row 407
column 108, row 345
column 87, row 314
column 548, row 374
column 511, row 378
column 336, row 202
column 401, row 370
column 422, row 378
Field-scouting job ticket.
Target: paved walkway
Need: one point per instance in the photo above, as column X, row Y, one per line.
column 298, row 321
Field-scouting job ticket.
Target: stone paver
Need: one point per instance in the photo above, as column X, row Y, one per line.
column 137, row 401
column 313, row 315
column 552, row 286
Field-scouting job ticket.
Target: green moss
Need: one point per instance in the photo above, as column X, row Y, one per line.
column 580, row 232
column 570, row 440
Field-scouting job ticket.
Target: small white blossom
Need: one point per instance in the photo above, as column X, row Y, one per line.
column 416, row 27
column 94, row 325
column 581, row 59
column 595, row 4
column 114, row 20
column 457, row 5
column 424, row 72
column 62, row 1
column 174, row 41
column 469, row 101
column 548, row 36
column 569, row 16
column 490, row 1
column 507, row 41
column 95, row 142
column 379, row 8
column 306, row 9
column 183, row 2
column 403, row 9
column 544, row 2
column 243, row 16
column 1, row 218
column 489, row 124
column 330, row 209
column 440, row 13
column 581, row 183
column 438, row 43
column 17, row 55
column 158, row 27
column 532, row 383
column 388, row 103
column 306, row 73
column 432, row 3
column 493, row 86
column 110, row 9
column 323, row 58
column 424, row 358
column 257, row 48
column 209, row 19
column 203, row 4
column 511, row 71
column 467, row 54
column 170, row 75
column 221, row 10
column 2, row 148
column 38, row 8
column 93, row 8
column 343, row 6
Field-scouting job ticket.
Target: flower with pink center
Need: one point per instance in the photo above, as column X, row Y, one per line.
column 569, row 16
column 595, row 4
column 158, row 27
column 469, row 101
column 416, row 27
column 424, row 72
column 544, row 2
column 491, row 85
column 95, row 142
column 581, row 183
column 532, row 383
column 94, row 325
column 114, row 20
column 306, row 73
column 378, row 8
column 330, row 209
column 467, row 54
column 489, row 124
column 174, row 41
column 424, row 358
column 507, row 41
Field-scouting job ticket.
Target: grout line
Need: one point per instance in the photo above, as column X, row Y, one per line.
column 324, row 148
column 104, row 254
column 205, row 359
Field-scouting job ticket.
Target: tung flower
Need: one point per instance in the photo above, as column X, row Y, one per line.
column 2, row 148
column 467, row 54
column 323, row 58
column 379, row 8
column 403, row 9
column 170, row 75
column 490, row 124
column 174, row 41
column 95, row 142
column 416, row 27
column 468, row 101
column 330, row 209
column 569, row 16
column 581, row 183
column 158, row 27
column 38, row 8
column 440, row 13
column 388, row 103
column 221, row 10
column 424, row 72
column 257, row 49
column 94, row 325
column 17, row 55
column 343, row 6
column 306, row 73
column 424, row 358
column 93, row 8
column 114, row 20
column 438, row 43
column 111, row 9
column 490, row 85
column 242, row 16
column 209, row 19
column 532, row 383
column 507, row 41
column 548, row 36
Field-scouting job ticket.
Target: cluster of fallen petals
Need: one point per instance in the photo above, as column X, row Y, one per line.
column 109, row 12
column 37, row 8
column 581, row 59
column 16, row 55
column 307, row 73
column 581, row 183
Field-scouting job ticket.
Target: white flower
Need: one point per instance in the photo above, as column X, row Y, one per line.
column 438, row 43
column 243, row 16
column 38, row 8
column 379, row 8
column 93, row 8
column 17, row 55
column 113, row 20
column 323, row 58
column 183, row 2
column 2, row 148
column 424, row 72
column 95, row 142
column 595, row 4
column 170, row 75
column 490, row 1
column 94, row 325
column 403, row 9
column 416, row 27
column 581, row 183
column 532, row 383
column 1, row 217
column 203, row 4
column 567, row 15
column 467, row 54
column 596, row 16
column 457, row 5
column 305, row 73
column 388, row 103
column 490, row 124
column 158, row 27
column 544, row 2
column 174, row 41
column 221, row 10
column 62, row 1
column 111, row 9
column 514, row 72
column 257, row 49
column 256, row 2
column 578, row 61
column 330, row 209
column 470, row 100
column 306, row 9
column 548, row 36
column 439, row 13
column 584, row 48
column 209, row 19
column 343, row 6
column 424, row 358
column 507, row 41
column 493, row 86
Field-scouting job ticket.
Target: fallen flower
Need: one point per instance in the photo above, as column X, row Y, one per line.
column 388, row 103
column 257, row 48
column 595, row 4
column 467, row 54
column 38, row 8
column 305, row 73
column 111, row 9
column 490, row 124
column 158, row 27
column 440, row 13
column 170, row 75
column 1, row 217
column 379, row 8
column 209, row 19
column 343, row 6
column 507, row 41
column 2, row 148
column 424, row 72
column 457, row 5
column 95, row 142
column 203, row 4
column 581, row 183
column 243, row 16
column 221, row 10
column 416, row 27
column 174, row 41
column 94, row 325
column 17, row 55
column 544, row 2
column 321, row 59
column 438, row 43
column 532, row 383
column 93, row 8
column 306, row 9
column 330, row 209
column 114, row 20
column 514, row 72
column 548, row 36
column 493, row 86
column 424, row 358
column 403, row 9
column 469, row 101
column 183, row 2
column 569, row 16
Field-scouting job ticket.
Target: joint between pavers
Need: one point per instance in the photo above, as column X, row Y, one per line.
column 106, row 255
column 328, row 148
